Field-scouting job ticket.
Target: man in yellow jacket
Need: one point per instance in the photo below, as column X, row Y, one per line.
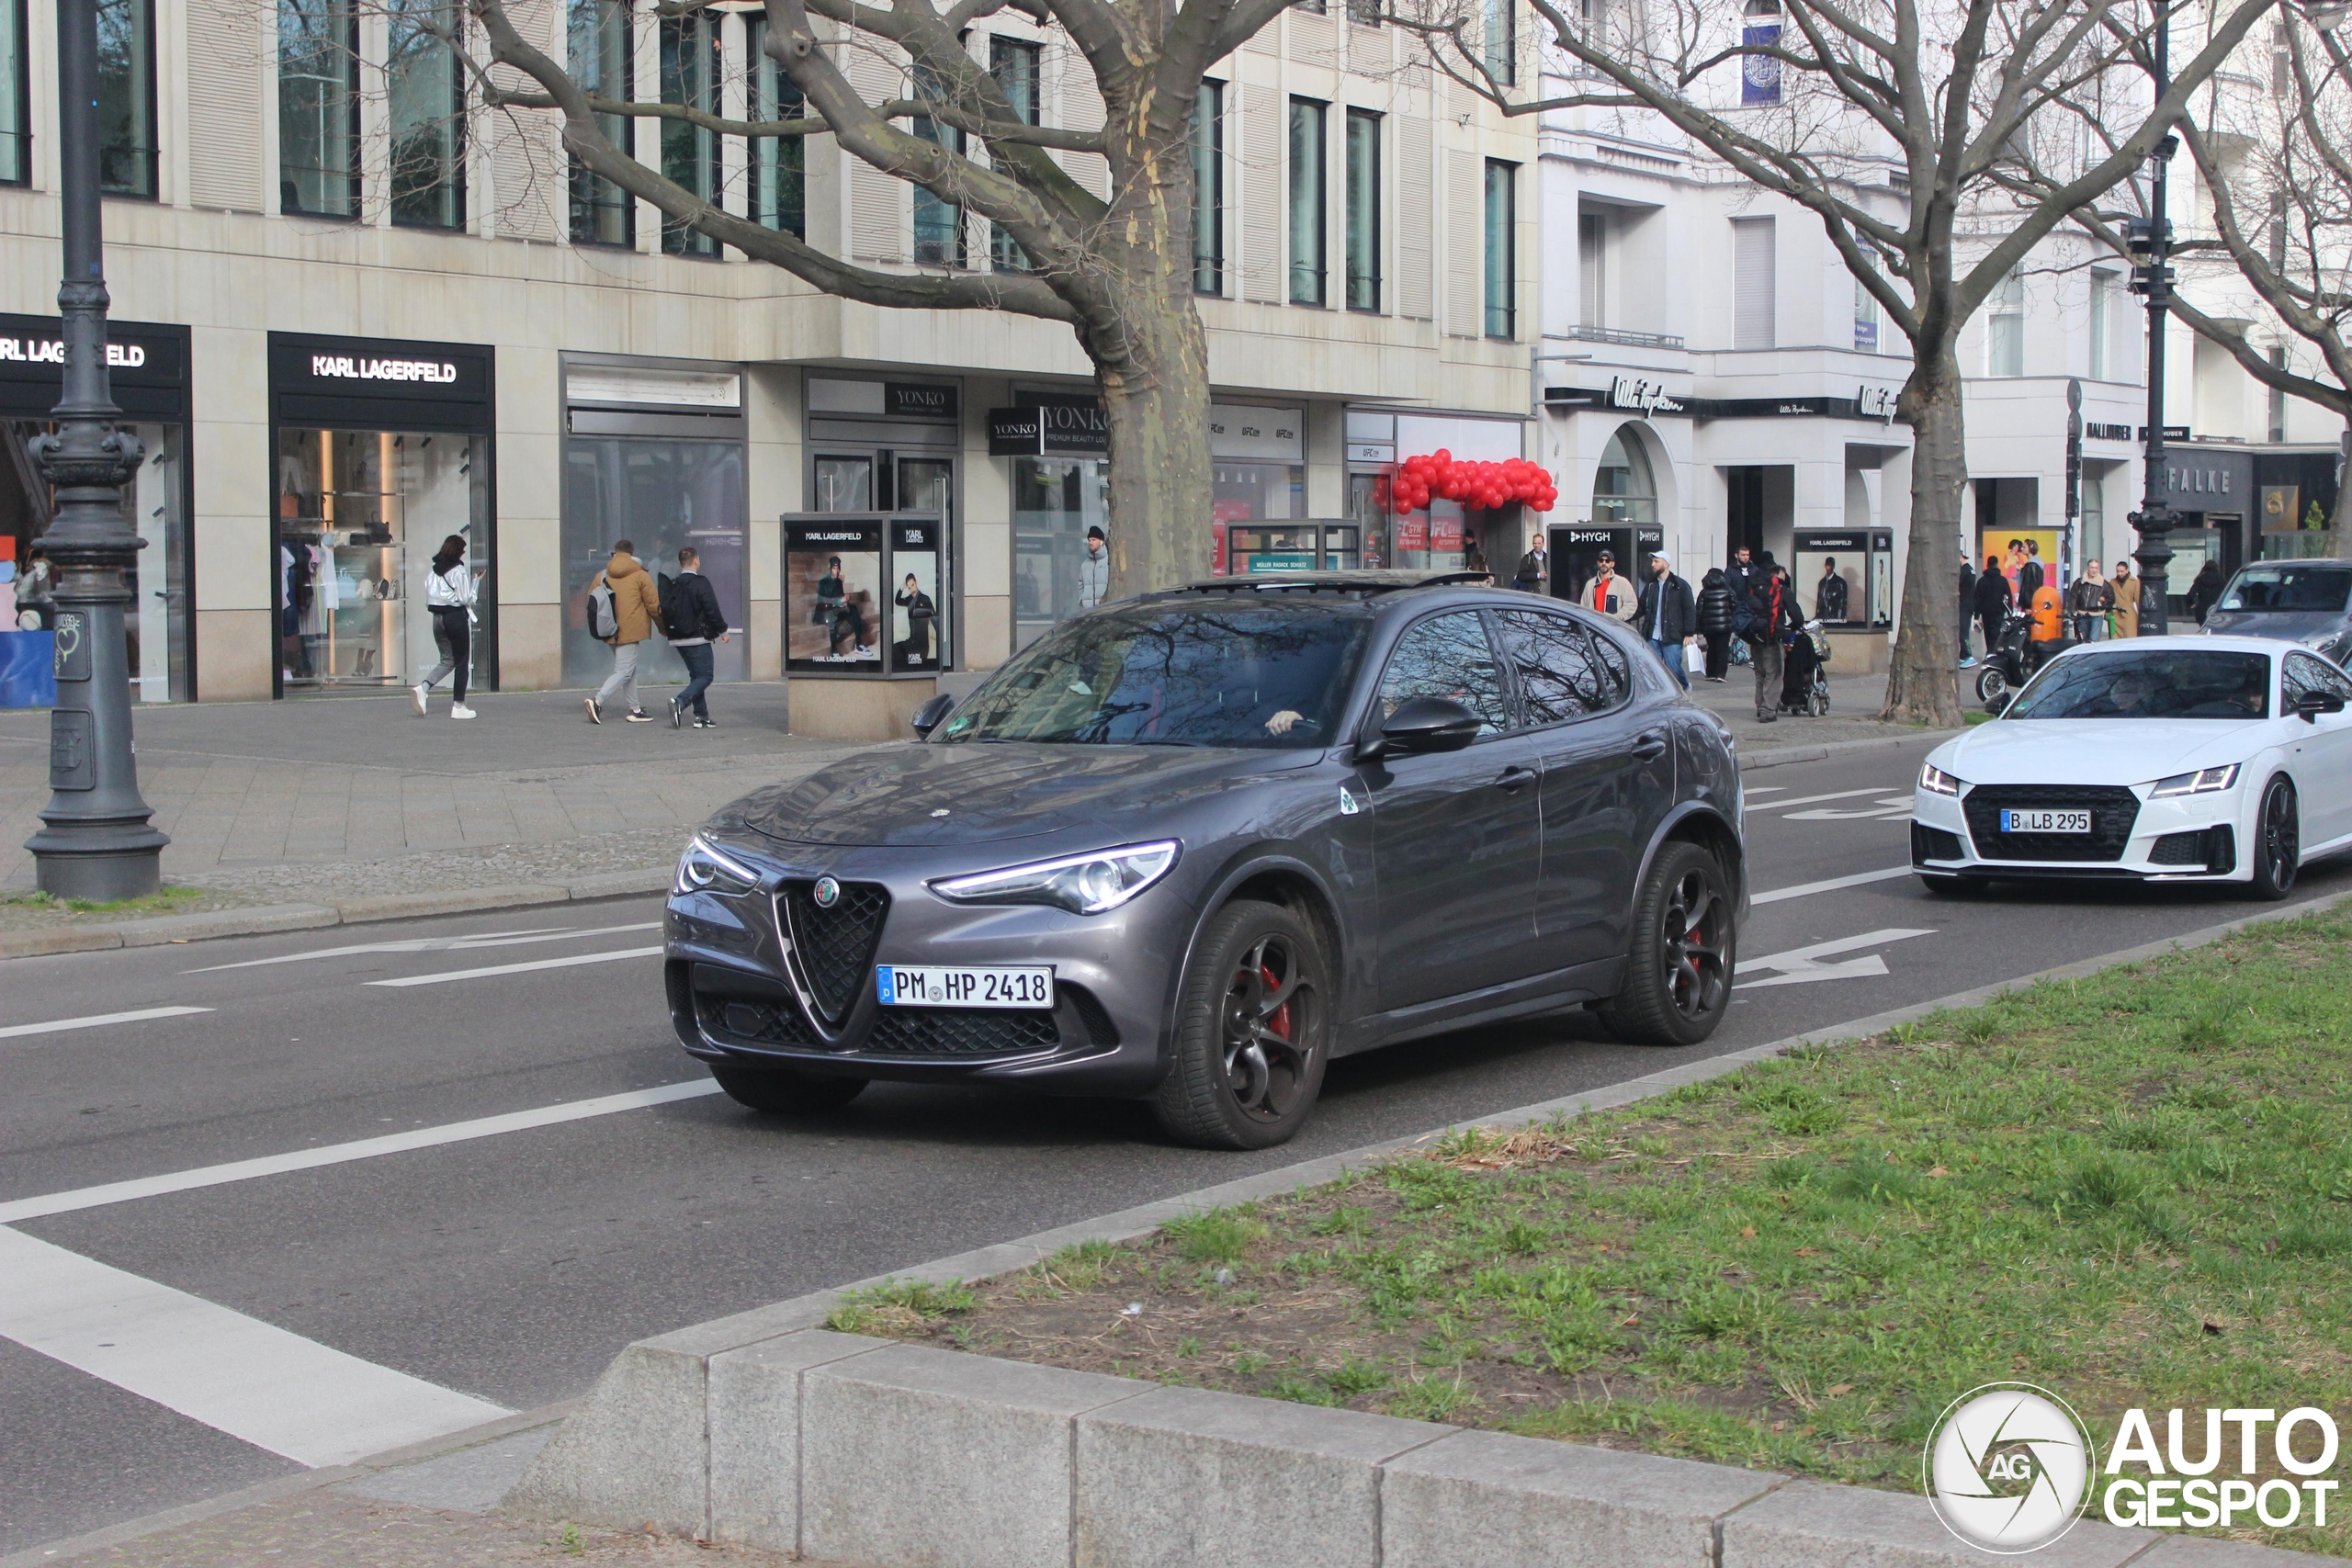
column 637, row 610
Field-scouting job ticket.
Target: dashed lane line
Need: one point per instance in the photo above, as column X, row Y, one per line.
column 1832, row 884
column 435, row 945
column 16, row 1031
column 577, row 958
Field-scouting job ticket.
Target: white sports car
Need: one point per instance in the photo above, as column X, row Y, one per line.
column 2173, row 759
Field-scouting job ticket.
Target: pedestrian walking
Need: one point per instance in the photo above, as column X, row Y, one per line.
column 1093, row 570
column 2090, row 600
column 1829, row 593
column 635, row 605
column 1992, row 602
column 1967, row 607
column 2125, row 616
column 1609, row 593
column 2205, row 590
column 449, row 594
column 2030, row 572
column 1741, row 575
column 1715, row 621
column 691, row 620
column 1534, row 567
column 1667, row 615
column 1772, row 618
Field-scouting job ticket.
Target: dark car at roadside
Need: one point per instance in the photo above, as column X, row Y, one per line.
column 2304, row 601
column 1189, row 846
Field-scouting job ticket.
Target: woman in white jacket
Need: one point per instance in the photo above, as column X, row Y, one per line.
column 450, row 592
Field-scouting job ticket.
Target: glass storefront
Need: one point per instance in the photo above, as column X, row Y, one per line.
column 661, row 493
column 360, row 516
column 1054, row 501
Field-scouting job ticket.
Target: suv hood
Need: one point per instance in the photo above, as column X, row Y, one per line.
column 968, row 794
column 2310, row 627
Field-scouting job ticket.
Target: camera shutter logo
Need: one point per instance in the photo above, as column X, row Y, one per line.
column 828, row 893
column 2008, row 1468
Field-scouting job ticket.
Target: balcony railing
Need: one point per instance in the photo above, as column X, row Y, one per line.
column 1623, row 339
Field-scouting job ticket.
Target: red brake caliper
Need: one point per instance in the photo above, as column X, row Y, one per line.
column 1280, row 1022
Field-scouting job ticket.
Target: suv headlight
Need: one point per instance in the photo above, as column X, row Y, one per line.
column 1084, row 885
column 706, row 868
column 2204, row 781
column 1935, row 781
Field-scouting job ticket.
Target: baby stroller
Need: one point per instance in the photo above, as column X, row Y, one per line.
column 1804, row 681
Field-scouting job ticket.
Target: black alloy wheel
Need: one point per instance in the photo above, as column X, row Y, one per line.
column 1252, row 1031
column 1679, row 974
column 2277, row 840
column 783, row 1092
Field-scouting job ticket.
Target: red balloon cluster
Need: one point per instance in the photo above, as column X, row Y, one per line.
column 1475, row 485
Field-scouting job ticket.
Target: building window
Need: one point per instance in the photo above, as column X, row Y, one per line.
column 1624, row 489
column 939, row 225
column 690, row 152
column 2004, row 327
column 425, row 102
column 1500, row 44
column 2277, row 421
column 1363, row 210
column 2102, row 325
column 1208, row 188
column 1502, row 262
column 15, row 126
column 1592, row 269
column 779, row 164
column 1306, row 198
column 600, row 51
column 1014, row 65
column 317, row 107
column 127, row 98
column 1755, row 291
column 1865, row 319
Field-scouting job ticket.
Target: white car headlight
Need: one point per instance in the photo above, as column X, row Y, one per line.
column 1084, row 885
column 2204, row 781
column 1935, row 781
column 706, row 868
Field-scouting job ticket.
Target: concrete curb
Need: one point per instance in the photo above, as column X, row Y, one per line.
column 267, row 917
column 1781, row 756
column 699, row 1430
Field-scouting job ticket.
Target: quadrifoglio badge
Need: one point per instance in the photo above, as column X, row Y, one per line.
column 2010, row 1468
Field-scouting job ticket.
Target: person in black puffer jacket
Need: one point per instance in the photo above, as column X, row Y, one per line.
column 1715, row 621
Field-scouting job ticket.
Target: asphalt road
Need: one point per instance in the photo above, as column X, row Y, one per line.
column 340, row 1307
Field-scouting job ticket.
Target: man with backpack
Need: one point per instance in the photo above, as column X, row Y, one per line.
column 691, row 620
column 622, row 608
column 1772, row 618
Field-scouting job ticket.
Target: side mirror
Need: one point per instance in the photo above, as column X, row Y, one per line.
column 1423, row 724
column 2309, row 705
column 932, row 715
column 1998, row 704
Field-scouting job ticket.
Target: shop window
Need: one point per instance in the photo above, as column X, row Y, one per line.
column 1306, row 199
column 661, row 495
column 1054, row 501
column 2004, row 327
column 425, row 105
column 1208, row 188
column 1624, row 491
column 1014, row 65
column 1865, row 319
column 359, row 515
column 1755, row 283
column 939, row 225
column 317, row 107
column 779, row 164
column 1363, row 210
column 1502, row 261
column 16, row 78
column 598, row 43
column 690, row 152
column 127, row 98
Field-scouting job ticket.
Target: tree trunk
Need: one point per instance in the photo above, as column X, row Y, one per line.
column 1922, row 683
column 1156, row 399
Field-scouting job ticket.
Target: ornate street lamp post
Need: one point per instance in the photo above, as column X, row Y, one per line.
column 95, row 841
column 2151, row 238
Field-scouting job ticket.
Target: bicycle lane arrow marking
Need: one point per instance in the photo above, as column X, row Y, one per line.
column 1802, row 965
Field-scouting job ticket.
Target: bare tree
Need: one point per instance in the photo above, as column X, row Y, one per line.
column 1947, row 99
column 1117, row 267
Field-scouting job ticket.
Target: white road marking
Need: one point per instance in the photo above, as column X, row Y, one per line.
column 1817, row 799
column 94, row 1020
column 1805, row 889
column 437, row 944
column 1877, row 809
column 1801, row 966
column 237, row 1374
column 1766, row 789
column 340, row 1154
column 576, row 958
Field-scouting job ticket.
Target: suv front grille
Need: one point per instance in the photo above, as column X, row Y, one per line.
column 2113, row 811
column 835, row 946
column 952, row 1032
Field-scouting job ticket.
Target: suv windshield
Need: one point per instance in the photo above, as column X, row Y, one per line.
column 1209, row 673
column 2170, row 682
column 2297, row 587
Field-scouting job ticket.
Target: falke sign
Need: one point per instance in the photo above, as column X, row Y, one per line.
column 345, row 368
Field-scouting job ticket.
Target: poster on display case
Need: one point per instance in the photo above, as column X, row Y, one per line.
column 834, row 597
column 918, row 626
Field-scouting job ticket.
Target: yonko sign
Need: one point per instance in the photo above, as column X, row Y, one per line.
column 2010, row 1468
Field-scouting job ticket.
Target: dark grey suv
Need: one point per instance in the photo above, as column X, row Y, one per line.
column 1189, row 847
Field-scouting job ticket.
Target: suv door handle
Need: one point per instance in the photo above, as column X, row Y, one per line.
column 1649, row 748
column 1515, row 779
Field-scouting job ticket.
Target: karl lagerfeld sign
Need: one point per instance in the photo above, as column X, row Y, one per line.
column 349, row 367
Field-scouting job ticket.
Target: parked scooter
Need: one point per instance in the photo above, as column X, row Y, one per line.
column 2013, row 659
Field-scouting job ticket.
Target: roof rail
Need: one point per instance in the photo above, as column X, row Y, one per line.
column 1368, row 582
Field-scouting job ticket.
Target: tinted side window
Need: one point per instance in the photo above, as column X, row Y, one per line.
column 2305, row 674
column 1565, row 671
column 1447, row 656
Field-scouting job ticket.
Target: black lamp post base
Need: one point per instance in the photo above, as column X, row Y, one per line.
column 118, row 867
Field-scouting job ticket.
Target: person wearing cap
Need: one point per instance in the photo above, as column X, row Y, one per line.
column 1609, row 593
column 1667, row 615
column 1093, row 572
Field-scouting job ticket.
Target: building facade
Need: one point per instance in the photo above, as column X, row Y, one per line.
column 357, row 314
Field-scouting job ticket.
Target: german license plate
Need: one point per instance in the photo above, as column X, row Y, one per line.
column 2045, row 822
column 937, row 985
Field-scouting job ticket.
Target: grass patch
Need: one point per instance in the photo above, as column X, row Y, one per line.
column 896, row 1306
column 165, row 901
column 2135, row 1189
